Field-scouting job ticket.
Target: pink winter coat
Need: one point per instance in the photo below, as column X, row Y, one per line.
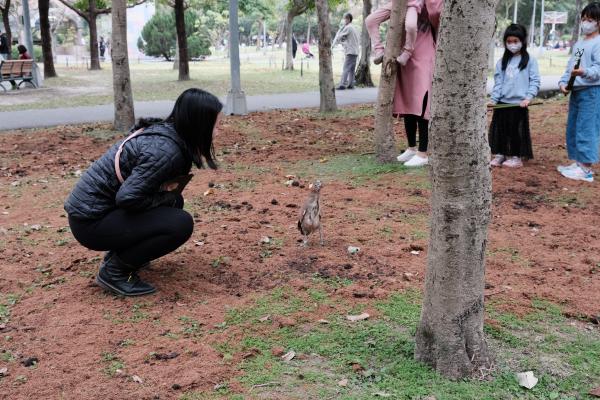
column 415, row 79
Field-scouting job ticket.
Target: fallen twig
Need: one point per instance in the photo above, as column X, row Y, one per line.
column 266, row 385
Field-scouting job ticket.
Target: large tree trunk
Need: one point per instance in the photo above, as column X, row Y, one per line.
column 450, row 334
column 184, row 63
column 94, row 52
column 363, row 72
column 289, row 59
column 6, row 22
column 326, row 85
column 124, row 114
column 384, row 128
column 49, row 71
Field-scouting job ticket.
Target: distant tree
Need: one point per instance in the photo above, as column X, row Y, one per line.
column 159, row 37
column 89, row 11
column 5, row 10
column 363, row 72
column 123, row 97
column 326, row 85
column 295, row 8
column 44, row 7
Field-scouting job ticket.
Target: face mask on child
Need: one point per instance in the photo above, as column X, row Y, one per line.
column 589, row 27
column 514, row 47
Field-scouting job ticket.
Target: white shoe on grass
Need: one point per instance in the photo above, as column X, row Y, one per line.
column 406, row 155
column 417, row 161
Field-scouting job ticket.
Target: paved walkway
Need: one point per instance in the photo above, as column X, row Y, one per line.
column 105, row 113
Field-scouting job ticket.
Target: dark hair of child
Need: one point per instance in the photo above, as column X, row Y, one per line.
column 592, row 11
column 194, row 117
column 520, row 32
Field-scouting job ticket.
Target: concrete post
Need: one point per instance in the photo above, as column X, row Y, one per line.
column 236, row 99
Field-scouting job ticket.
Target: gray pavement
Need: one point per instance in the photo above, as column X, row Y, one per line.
column 105, row 113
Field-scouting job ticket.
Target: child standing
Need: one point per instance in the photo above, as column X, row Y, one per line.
column 516, row 82
column 583, row 122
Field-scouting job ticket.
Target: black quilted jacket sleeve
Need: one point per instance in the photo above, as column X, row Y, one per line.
column 147, row 161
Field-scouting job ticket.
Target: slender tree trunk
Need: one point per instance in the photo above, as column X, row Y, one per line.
column 450, row 334
column 384, row 128
column 575, row 36
column 289, row 59
column 326, row 85
column 124, row 114
column 92, row 20
column 49, row 71
column 184, row 63
column 363, row 72
column 6, row 22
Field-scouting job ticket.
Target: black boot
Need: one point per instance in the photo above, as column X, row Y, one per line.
column 120, row 278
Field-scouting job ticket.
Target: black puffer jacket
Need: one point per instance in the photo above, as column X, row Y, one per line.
column 147, row 161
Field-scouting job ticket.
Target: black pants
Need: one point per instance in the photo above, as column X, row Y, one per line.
column 411, row 122
column 136, row 237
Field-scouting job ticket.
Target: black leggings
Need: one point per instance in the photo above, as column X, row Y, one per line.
column 136, row 237
column 410, row 125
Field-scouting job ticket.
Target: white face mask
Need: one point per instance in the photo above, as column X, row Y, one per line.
column 514, row 47
column 589, row 27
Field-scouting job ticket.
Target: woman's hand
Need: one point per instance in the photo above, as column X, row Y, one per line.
column 578, row 72
column 563, row 90
column 525, row 103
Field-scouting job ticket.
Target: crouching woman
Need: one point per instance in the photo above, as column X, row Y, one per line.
column 129, row 204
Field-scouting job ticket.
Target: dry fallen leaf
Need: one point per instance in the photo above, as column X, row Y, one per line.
column 382, row 394
column 527, row 379
column 343, row 382
column 137, row 379
column 265, row 318
column 287, row 357
column 595, row 392
column 355, row 318
column 323, row 321
column 209, row 191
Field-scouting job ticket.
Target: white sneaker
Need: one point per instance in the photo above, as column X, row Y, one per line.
column 577, row 174
column 562, row 168
column 417, row 161
column 498, row 160
column 406, row 155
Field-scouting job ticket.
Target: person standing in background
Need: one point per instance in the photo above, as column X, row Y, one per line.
column 348, row 36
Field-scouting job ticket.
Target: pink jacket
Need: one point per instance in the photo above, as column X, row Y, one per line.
column 415, row 79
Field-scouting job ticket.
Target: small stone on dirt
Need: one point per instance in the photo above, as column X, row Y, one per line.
column 289, row 356
column 277, row 351
column 30, row 362
column 353, row 250
column 136, row 379
column 3, row 371
column 285, row 322
column 343, row 382
column 176, row 386
column 355, row 318
column 594, row 392
column 265, row 240
column 16, row 183
column 264, row 319
column 274, row 202
column 407, row 276
column 415, row 252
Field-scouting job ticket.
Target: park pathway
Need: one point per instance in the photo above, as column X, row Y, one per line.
column 39, row 118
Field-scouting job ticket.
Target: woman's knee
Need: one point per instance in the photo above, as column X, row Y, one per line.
column 182, row 225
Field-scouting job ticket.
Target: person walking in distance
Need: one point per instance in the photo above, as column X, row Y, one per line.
column 348, row 36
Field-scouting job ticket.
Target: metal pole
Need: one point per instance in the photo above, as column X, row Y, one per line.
column 532, row 32
column 236, row 99
column 515, row 12
column 542, row 29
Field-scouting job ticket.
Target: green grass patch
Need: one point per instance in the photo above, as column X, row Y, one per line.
column 565, row 358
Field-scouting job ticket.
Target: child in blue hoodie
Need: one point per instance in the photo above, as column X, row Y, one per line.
column 583, row 123
column 516, row 82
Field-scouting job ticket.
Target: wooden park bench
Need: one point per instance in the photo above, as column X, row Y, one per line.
column 16, row 70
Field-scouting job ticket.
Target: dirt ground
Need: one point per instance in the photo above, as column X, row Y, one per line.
column 543, row 244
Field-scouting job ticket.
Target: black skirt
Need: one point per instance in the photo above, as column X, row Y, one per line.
column 509, row 133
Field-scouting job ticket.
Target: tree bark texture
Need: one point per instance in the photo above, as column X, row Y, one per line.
column 385, row 150
column 326, row 85
column 289, row 59
column 124, row 113
column 363, row 72
column 184, row 63
column 49, row 71
column 5, row 20
column 450, row 334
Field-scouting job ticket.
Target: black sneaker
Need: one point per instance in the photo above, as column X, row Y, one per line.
column 341, row 87
column 350, row 87
column 118, row 277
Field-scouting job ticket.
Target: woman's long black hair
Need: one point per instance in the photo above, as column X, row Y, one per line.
column 194, row 117
column 519, row 31
column 592, row 11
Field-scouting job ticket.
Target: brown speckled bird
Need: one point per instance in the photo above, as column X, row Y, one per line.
column 310, row 214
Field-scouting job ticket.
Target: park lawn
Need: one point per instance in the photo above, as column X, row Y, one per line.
column 261, row 73
column 229, row 301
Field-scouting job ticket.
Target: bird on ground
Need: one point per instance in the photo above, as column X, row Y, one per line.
column 310, row 214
